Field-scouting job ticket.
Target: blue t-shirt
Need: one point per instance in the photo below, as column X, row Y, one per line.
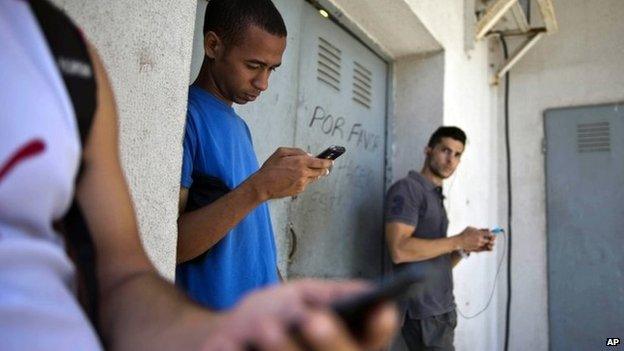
column 217, row 143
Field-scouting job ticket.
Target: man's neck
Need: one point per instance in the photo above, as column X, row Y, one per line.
column 205, row 80
column 427, row 173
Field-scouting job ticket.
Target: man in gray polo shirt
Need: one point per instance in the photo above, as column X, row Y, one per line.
column 416, row 225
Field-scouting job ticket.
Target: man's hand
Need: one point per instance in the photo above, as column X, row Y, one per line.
column 287, row 173
column 296, row 316
column 490, row 239
column 473, row 239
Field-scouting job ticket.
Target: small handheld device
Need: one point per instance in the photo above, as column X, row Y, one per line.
column 353, row 310
column 497, row 230
column 332, row 152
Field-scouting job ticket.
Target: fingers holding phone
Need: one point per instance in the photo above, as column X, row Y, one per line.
column 490, row 240
column 299, row 316
column 315, row 167
column 318, row 167
column 288, row 172
column 331, row 153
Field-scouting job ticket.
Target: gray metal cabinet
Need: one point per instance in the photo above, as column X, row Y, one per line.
column 337, row 223
column 585, row 204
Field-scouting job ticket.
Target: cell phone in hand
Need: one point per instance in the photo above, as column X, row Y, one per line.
column 332, row 152
column 497, row 230
column 354, row 310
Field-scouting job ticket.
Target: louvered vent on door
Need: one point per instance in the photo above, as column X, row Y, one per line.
column 329, row 62
column 593, row 137
column 362, row 85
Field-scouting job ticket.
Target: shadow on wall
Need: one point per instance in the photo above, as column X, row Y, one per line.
column 419, row 103
column 368, row 249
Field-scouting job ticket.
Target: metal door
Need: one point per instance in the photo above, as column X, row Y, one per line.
column 585, row 204
column 336, row 225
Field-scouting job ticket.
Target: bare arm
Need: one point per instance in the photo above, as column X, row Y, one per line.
column 201, row 229
column 286, row 173
column 406, row 248
column 488, row 245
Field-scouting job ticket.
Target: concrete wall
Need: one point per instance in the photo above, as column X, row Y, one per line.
column 579, row 65
column 146, row 48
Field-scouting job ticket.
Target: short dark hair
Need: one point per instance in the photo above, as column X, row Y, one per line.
column 447, row 132
column 230, row 18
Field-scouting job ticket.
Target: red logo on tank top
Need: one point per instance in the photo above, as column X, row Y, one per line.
column 28, row 150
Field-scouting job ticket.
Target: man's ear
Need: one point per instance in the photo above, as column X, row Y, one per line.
column 213, row 45
column 427, row 151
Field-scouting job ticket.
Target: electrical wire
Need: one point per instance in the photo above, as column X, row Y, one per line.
column 498, row 269
column 500, row 264
column 509, row 199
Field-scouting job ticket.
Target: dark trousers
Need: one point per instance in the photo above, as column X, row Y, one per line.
column 435, row 333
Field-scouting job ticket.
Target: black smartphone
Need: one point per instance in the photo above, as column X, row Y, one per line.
column 332, row 152
column 353, row 310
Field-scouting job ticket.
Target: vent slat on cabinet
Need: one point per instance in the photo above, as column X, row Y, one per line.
column 362, row 91
column 330, row 54
column 329, row 64
column 362, row 85
column 325, row 75
column 329, row 69
column 366, row 71
column 593, row 137
column 358, row 80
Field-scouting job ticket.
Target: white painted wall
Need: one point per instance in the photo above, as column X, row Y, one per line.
column 146, row 48
column 579, row 65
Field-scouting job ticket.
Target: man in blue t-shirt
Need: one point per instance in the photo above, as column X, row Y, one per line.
column 227, row 248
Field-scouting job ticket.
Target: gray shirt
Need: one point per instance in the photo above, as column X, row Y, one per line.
column 416, row 201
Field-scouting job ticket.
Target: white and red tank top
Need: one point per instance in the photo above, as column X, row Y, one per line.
column 39, row 159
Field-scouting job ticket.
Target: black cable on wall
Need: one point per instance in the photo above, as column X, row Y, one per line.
column 509, row 198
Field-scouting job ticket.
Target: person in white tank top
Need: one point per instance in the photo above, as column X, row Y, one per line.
column 40, row 155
